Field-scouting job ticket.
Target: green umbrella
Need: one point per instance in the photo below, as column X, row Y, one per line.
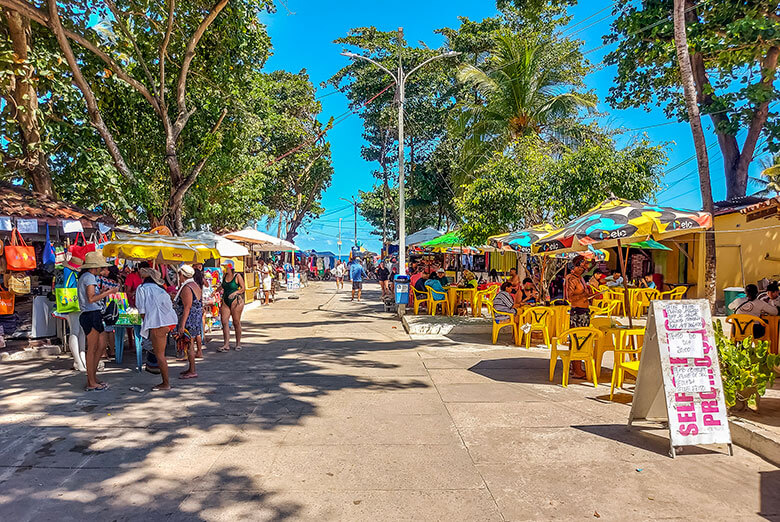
column 649, row 244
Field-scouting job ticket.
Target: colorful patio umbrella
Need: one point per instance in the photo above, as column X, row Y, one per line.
column 452, row 242
column 521, row 240
column 160, row 248
column 650, row 244
column 620, row 221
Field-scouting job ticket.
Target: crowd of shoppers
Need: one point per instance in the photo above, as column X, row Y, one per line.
column 170, row 308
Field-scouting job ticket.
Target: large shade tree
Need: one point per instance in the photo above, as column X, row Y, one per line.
column 734, row 48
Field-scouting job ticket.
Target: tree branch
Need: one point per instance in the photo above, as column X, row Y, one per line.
column 89, row 97
column 123, row 27
column 164, row 50
column 189, row 55
column 39, row 16
column 768, row 68
column 190, row 179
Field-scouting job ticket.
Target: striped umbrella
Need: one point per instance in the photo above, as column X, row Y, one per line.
column 617, row 222
column 163, row 249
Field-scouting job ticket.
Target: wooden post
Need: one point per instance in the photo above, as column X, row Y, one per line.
column 626, row 303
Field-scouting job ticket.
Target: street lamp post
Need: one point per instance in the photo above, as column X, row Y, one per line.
column 400, row 78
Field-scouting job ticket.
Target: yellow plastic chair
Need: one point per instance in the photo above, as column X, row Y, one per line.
column 617, row 296
column 539, row 318
column 742, row 326
column 604, row 308
column 419, row 298
column 581, row 346
column 498, row 324
column 627, row 356
column 675, row 294
column 483, row 297
column 642, row 301
column 607, row 343
column 433, row 304
column 560, row 318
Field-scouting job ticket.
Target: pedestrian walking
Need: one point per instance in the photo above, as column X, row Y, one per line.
column 339, row 273
column 91, row 318
column 356, row 274
column 266, row 280
column 158, row 318
column 188, row 304
column 232, row 304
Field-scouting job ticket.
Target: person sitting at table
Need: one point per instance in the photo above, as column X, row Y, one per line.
column 528, row 293
column 514, row 281
column 442, row 275
column 419, row 283
column 434, row 284
column 647, row 282
column 469, row 280
column 772, row 294
column 615, row 279
column 751, row 304
column 504, row 302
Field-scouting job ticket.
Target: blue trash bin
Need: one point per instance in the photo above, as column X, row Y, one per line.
column 401, row 289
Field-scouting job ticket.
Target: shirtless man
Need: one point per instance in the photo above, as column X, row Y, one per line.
column 578, row 293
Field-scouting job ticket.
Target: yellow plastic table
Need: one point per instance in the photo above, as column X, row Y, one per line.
column 456, row 294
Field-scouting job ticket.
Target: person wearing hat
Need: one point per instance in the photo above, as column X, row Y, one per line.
column 91, row 318
column 232, row 304
column 188, row 304
column 158, row 317
column 443, row 279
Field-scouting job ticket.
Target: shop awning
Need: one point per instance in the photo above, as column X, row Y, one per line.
column 223, row 245
column 261, row 242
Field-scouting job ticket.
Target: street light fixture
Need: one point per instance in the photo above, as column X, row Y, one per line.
column 400, row 79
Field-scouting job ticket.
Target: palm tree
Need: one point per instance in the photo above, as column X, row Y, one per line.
column 770, row 177
column 527, row 92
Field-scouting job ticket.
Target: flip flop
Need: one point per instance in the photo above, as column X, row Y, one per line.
column 238, row 348
column 99, row 387
column 187, row 375
column 223, row 349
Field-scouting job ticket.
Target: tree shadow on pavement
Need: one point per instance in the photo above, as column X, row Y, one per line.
column 196, row 452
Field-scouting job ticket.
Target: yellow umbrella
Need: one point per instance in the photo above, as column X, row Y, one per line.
column 163, row 249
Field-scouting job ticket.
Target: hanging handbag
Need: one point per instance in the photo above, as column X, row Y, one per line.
column 7, row 300
column 67, row 298
column 19, row 283
column 48, row 257
column 59, row 257
column 78, row 252
column 19, row 256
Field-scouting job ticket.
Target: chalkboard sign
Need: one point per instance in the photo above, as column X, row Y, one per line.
column 679, row 375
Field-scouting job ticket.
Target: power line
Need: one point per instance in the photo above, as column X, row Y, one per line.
column 586, row 19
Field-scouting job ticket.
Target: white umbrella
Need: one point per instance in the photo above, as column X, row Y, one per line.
column 266, row 242
column 223, row 245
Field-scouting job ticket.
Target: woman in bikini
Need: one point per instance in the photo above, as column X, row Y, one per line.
column 232, row 304
column 189, row 307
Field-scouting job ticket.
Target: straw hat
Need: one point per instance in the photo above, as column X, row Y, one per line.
column 154, row 274
column 95, row 260
column 187, row 271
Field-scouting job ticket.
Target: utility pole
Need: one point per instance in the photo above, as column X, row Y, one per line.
column 354, row 202
column 400, row 78
column 339, row 241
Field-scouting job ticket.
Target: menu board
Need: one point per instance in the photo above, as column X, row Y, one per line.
column 679, row 376
column 293, row 282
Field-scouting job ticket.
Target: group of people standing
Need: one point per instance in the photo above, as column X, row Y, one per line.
column 165, row 308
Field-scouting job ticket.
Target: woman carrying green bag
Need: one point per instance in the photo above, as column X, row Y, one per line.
column 67, row 302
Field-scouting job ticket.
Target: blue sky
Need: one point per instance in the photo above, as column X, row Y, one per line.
column 304, row 40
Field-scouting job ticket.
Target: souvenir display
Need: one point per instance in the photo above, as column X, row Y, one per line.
column 19, row 257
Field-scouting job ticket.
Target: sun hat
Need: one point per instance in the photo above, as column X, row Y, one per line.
column 440, row 270
column 187, row 271
column 228, row 262
column 154, row 274
column 95, row 260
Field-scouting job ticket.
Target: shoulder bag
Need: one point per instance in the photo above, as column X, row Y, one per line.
column 19, row 256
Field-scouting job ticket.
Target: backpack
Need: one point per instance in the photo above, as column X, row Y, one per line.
column 111, row 314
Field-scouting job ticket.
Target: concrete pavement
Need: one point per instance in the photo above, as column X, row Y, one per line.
column 332, row 412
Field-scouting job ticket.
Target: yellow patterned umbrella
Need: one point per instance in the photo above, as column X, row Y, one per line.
column 161, row 248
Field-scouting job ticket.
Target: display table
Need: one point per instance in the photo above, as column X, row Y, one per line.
column 128, row 320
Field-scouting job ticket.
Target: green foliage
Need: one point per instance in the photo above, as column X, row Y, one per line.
column 532, row 183
column 746, row 367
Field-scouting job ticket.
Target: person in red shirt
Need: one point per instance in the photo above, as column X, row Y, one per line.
column 133, row 281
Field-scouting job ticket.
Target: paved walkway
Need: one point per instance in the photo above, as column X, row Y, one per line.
column 331, row 412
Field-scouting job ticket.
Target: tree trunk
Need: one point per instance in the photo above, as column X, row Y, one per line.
column 702, row 161
column 22, row 90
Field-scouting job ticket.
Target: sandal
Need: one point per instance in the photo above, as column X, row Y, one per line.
column 100, row 387
column 238, row 348
column 185, row 375
column 159, row 387
column 223, row 349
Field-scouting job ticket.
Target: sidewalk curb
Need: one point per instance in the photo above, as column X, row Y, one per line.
column 756, row 439
column 39, row 352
